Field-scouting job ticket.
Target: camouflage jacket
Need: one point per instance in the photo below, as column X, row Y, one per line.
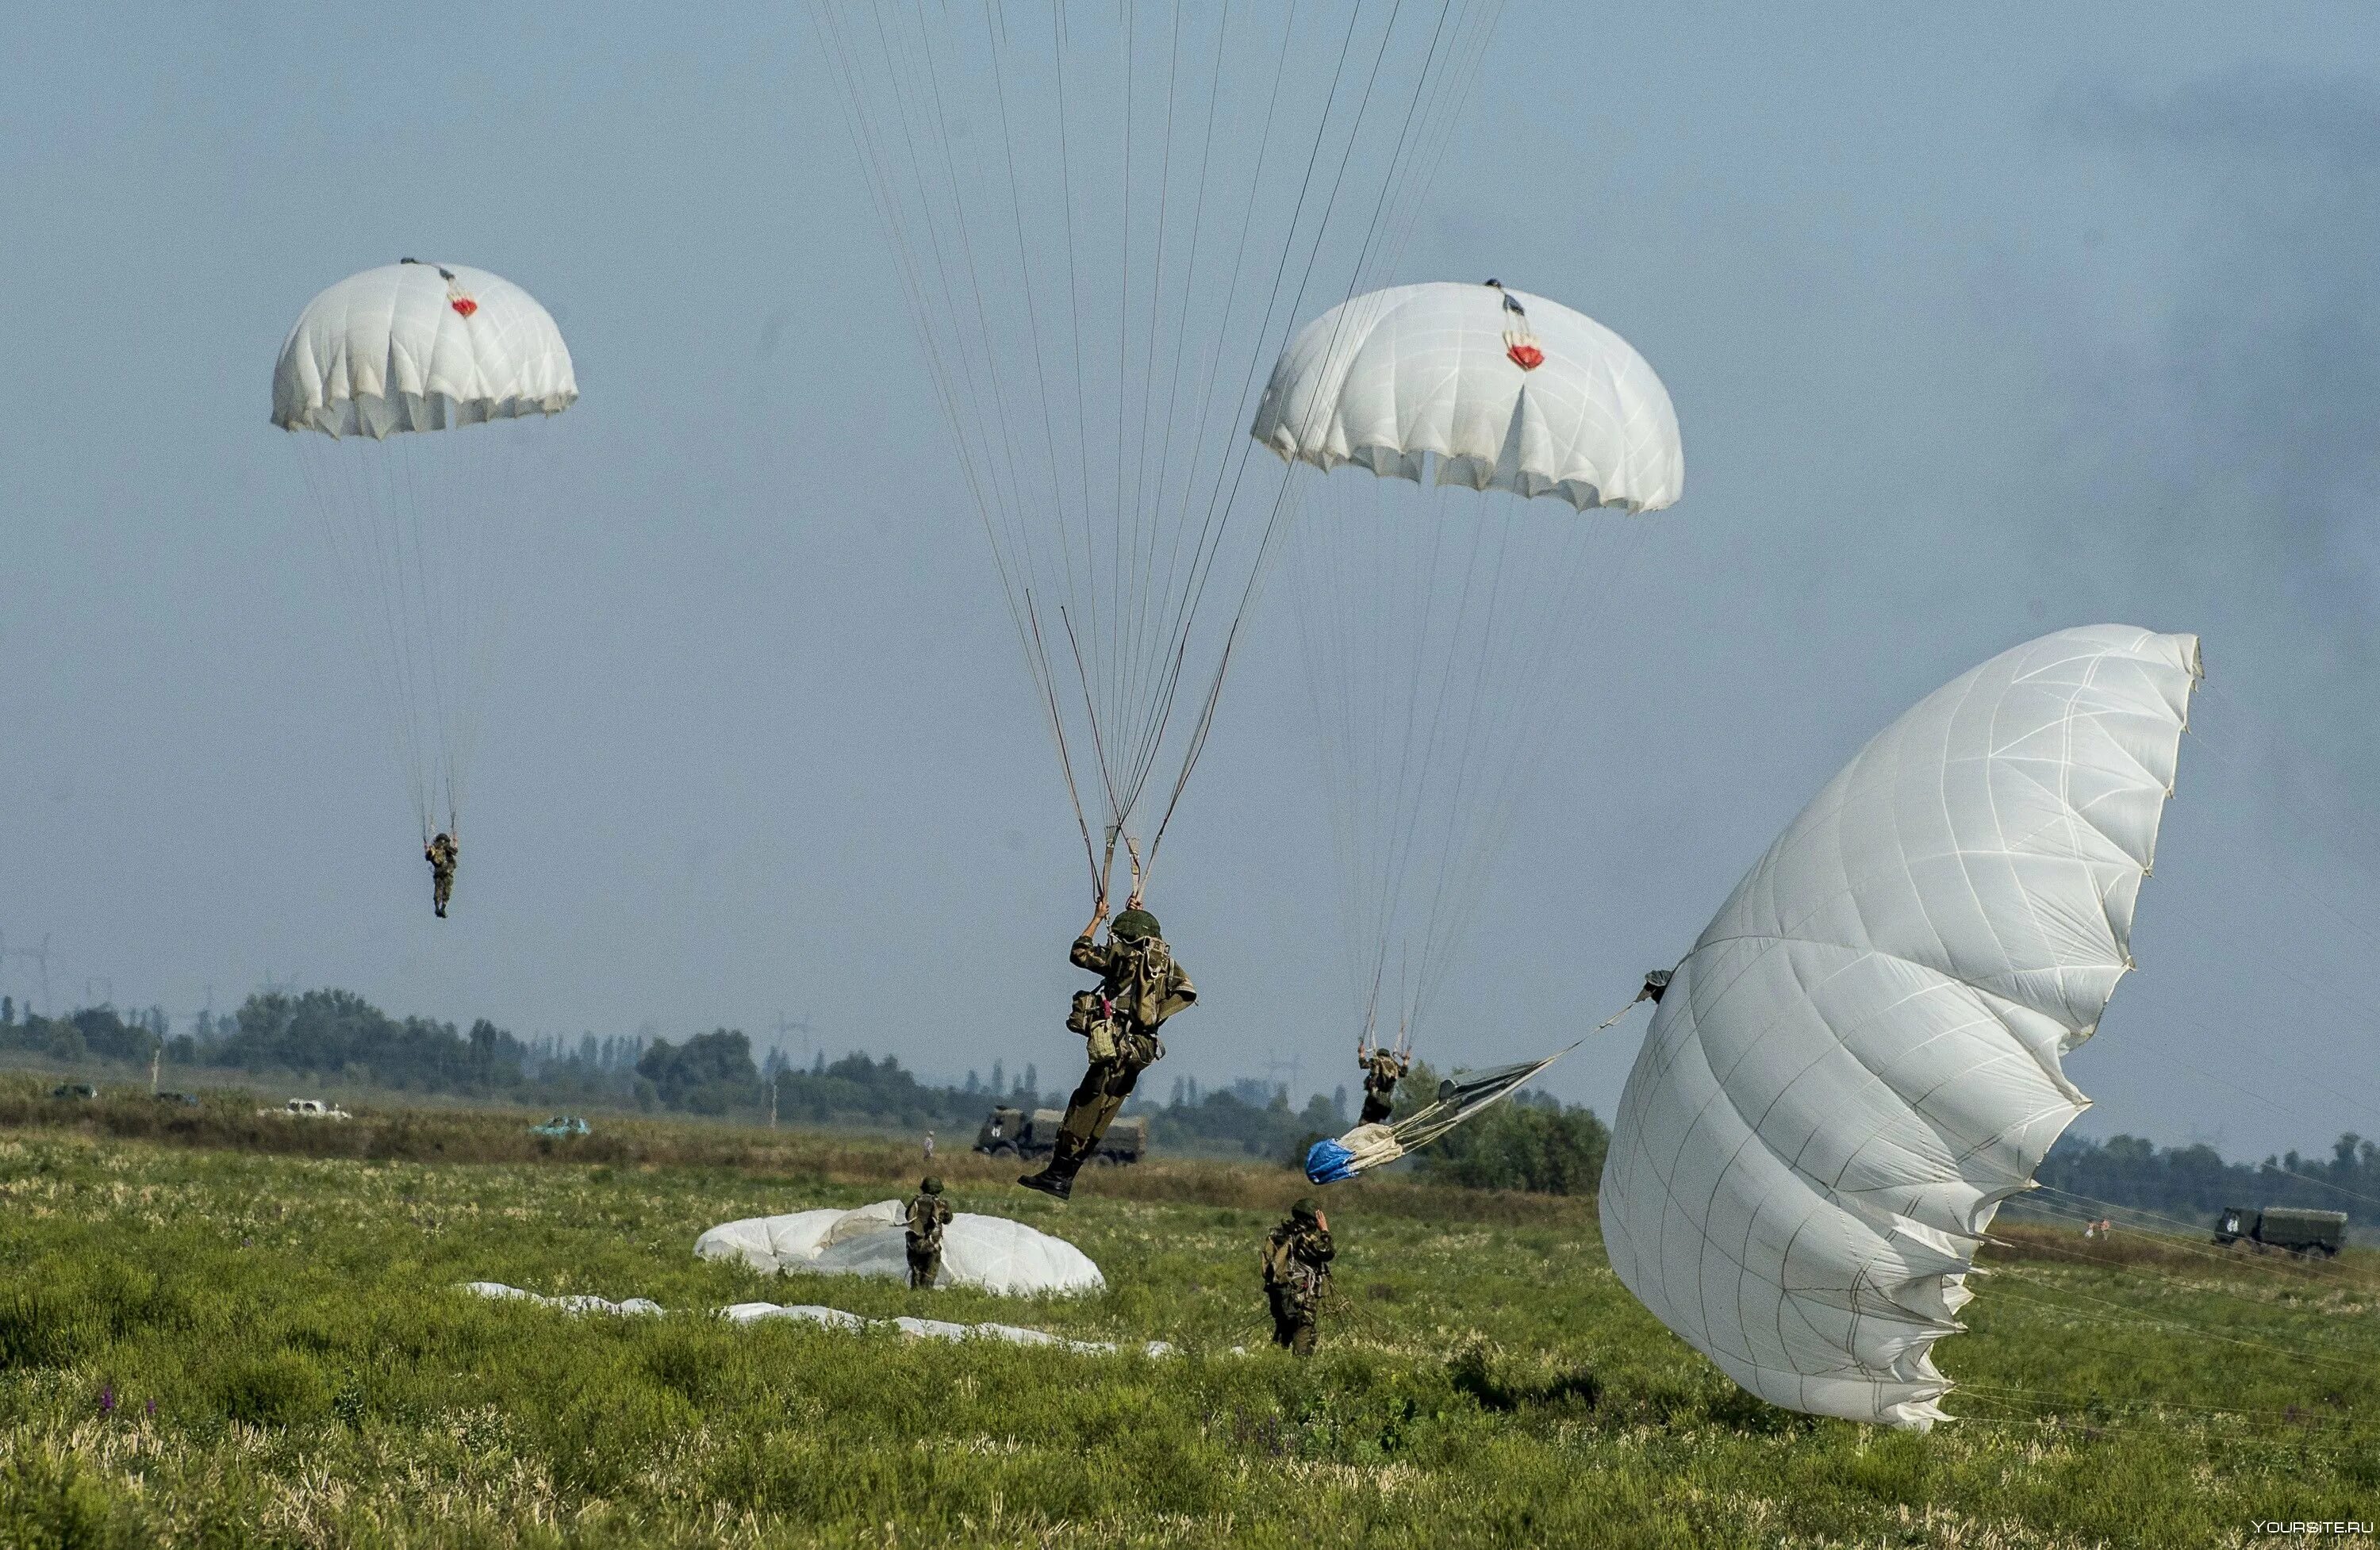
column 1383, row 1070
column 442, row 857
column 1141, row 978
column 1296, row 1263
column 929, row 1214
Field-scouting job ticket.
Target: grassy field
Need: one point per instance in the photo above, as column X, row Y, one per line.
column 210, row 1344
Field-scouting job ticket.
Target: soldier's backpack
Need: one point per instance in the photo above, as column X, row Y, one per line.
column 926, row 1221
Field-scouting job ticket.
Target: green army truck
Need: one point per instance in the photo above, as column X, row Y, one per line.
column 2288, row 1228
column 1015, row 1133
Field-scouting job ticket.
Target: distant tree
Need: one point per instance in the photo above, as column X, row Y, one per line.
column 717, row 1064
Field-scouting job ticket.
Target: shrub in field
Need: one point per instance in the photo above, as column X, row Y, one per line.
column 49, row 1501
column 280, row 1388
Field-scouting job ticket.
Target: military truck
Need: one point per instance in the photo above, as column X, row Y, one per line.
column 2301, row 1232
column 1013, row 1132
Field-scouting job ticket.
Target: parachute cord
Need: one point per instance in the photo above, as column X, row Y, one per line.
column 1621, row 1013
column 1099, row 745
column 1267, row 541
column 1065, row 763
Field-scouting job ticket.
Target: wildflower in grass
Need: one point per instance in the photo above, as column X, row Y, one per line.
column 107, row 1398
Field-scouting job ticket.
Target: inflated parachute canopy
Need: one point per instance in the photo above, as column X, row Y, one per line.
column 420, row 346
column 1860, row 1059
column 1503, row 389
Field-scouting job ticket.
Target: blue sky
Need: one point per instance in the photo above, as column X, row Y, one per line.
column 1978, row 325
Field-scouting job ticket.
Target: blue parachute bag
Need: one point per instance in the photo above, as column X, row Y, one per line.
column 1327, row 1162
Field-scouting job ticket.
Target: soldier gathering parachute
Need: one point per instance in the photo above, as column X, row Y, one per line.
column 1859, row 1061
column 411, row 373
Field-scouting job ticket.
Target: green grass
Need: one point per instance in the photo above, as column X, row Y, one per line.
column 1483, row 1379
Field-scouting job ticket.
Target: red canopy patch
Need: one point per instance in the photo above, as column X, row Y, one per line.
column 1526, row 356
column 463, row 304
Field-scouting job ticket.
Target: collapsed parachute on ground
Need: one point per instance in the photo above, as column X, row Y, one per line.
column 991, row 1252
column 424, row 529
column 1459, row 1098
column 1860, row 1058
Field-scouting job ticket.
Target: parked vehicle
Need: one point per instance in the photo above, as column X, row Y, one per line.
column 1013, row 1132
column 2299, row 1231
column 76, row 1091
column 308, row 1108
column 562, row 1127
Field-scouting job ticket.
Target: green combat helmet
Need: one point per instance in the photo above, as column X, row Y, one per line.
column 1136, row 924
column 1305, row 1210
column 930, row 1185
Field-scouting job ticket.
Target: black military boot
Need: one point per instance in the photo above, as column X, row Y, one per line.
column 1057, row 1179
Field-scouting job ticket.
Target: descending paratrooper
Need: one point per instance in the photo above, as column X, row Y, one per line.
column 1383, row 1069
column 1140, row 986
column 441, row 853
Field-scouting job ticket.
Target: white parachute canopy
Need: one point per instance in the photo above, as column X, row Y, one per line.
column 1503, row 389
column 426, row 530
column 1439, row 626
column 1860, row 1058
column 420, row 346
column 990, row 1252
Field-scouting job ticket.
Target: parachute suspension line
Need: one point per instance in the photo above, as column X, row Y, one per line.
column 1065, row 764
column 436, row 627
column 1213, row 374
column 357, row 570
column 1195, row 592
column 1182, row 616
column 992, row 503
column 1281, row 507
column 999, row 508
column 1146, row 569
column 905, row 78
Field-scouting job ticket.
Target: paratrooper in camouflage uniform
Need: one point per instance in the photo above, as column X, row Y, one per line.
column 1296, row 1270
column 1383, row 1068
column 929, row 1214
column 1140, row 986
column 442, row 854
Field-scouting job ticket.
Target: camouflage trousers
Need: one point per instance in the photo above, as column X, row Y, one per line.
column 925, row 1264
column 1294, row 1327
column 1377, row 1107
column 441, row 887
column 1095, row 1104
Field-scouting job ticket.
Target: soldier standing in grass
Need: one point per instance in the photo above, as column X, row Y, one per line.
column 929, row 1214
column 1297, row 1270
